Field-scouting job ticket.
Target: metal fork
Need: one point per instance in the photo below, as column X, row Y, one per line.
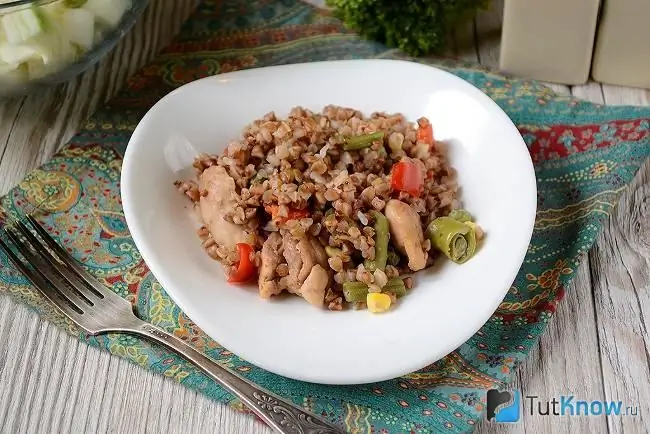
column 98, row 310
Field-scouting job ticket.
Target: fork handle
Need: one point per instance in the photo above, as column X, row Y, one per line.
column 283, row 416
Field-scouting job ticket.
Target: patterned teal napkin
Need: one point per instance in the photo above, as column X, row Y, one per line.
column 584, row 156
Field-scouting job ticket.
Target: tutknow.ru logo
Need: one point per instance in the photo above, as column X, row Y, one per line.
column 506, row 406
column 503, row 406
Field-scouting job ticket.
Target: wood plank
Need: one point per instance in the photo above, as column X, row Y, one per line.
column 16, row 369
column 618, row 95
column 9, row 111
column 488, row 25
column 88, row 390
column 621, row 284
column 621, row 278
column 591, row 92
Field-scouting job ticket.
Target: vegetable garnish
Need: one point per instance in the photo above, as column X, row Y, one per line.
column 245, row 267
column 407, row 176
column 356, row 143
column 454, row 239
column 417, row 27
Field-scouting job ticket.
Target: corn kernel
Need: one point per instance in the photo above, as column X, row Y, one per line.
column 377, row 302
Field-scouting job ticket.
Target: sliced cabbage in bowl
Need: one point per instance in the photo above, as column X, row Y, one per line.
column 38, row 40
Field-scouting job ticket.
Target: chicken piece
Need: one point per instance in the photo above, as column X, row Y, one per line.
column 406, row 230
column 308, row 255
column 301, row 256
column 299, row 265
column 320, row 255
column 314, row 287
column 216, row 204
column 268, row 287
column 308, row 268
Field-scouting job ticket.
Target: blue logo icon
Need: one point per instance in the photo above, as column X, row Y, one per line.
column 503, row 406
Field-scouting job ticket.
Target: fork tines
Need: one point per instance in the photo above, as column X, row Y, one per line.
column 55, row 272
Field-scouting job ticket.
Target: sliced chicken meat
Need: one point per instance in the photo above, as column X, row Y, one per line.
column 268, row 287
column 219, row 201
column 307, row 263
column 406, row 230
column 314, row 287
column 320, row 255
column 299, row 266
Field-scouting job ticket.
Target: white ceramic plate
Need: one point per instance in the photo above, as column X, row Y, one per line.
column 290, row 337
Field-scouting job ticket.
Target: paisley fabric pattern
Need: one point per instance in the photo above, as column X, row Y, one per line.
column 584, row 156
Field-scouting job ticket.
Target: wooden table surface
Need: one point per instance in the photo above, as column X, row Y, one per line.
column 596, row 347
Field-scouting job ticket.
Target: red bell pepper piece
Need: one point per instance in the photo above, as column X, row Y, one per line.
column 407, row 176
column 245, row 267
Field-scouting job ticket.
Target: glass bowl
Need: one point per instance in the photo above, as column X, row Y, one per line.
column 48, row 42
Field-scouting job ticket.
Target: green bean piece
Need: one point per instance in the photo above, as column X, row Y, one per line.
column 382, row 237
column 396, row 286
column 333, row 251
column 363, row 141
column 392, row 258
column 461, row 215
column 454, row 239
column 355, row 291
